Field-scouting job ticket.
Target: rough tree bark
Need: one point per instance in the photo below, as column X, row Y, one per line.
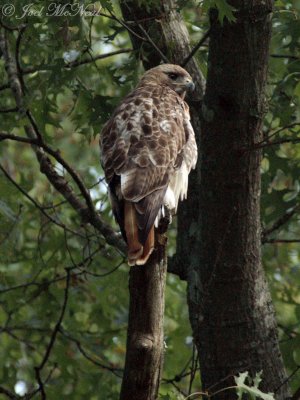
column 218, row 251
column 235, row 328
column 145, row 339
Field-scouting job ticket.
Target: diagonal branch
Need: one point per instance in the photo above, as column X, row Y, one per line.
column 115, row 371
column 37, row 205
column 163, row 57
column 266, row 141
column 8, row 393
column 196, row 48
column 279, row 223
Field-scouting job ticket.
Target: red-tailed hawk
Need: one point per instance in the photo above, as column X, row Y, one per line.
column 148, row 148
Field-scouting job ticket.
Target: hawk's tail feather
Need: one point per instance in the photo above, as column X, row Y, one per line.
column 137, row 253
column 148, row 248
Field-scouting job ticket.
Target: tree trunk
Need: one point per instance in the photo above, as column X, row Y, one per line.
column 235, row 328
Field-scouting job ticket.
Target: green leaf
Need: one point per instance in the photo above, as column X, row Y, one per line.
column 243, row 388
column 225, row 10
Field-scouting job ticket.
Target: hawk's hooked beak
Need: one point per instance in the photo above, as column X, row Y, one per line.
column 190, row 86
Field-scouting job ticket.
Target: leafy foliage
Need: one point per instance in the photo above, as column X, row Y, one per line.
column 71, row 94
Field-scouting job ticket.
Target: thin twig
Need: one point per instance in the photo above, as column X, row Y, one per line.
column 45, row 284
column 39, row 207
column 17, row 55
column 8, row 394
column 282, row 241
column 9, row 136
column 88, row 357
column 10, row 28
column 163, row 57
column 78, row 63
column 196, row 48
column 8, row 110
column 276, row 143
column 266, row 140
column 193, row 368
column 279, row 223
column 49, row 348
column 291, row 57
column 148, row 38
column 286, row 380
column 127, row 27
column 5, row 86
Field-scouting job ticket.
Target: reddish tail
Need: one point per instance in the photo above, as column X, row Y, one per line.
column 137, row 253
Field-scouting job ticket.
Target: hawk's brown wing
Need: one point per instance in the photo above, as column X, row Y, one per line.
column 140, row 145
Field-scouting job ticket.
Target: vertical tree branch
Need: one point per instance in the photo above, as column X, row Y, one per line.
column 144, row 354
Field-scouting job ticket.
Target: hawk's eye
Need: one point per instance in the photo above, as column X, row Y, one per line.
column 173, row 76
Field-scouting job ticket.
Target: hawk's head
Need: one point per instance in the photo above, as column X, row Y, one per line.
column 170, row 75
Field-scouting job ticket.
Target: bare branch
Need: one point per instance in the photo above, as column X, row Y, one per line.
column 277, row 142
column 5, row 86
column 8, row 393
column 196, row 48
column 163, row 57
column 39, row 368
column 46, row 283
column 279, row 223
column 11, row 28
column 282, row 241
column 12, row 74
column 288, row 379
column 38, row 206
column 148, row 38
column 112, row 369
column 78, row 63
column 127, row 27
column 17, row 55
column 8, row 110
column 291, row 57
column 194, row 368
column 266, row 142
column 9, row 136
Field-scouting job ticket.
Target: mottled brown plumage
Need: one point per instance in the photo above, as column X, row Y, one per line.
column 147, row 151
